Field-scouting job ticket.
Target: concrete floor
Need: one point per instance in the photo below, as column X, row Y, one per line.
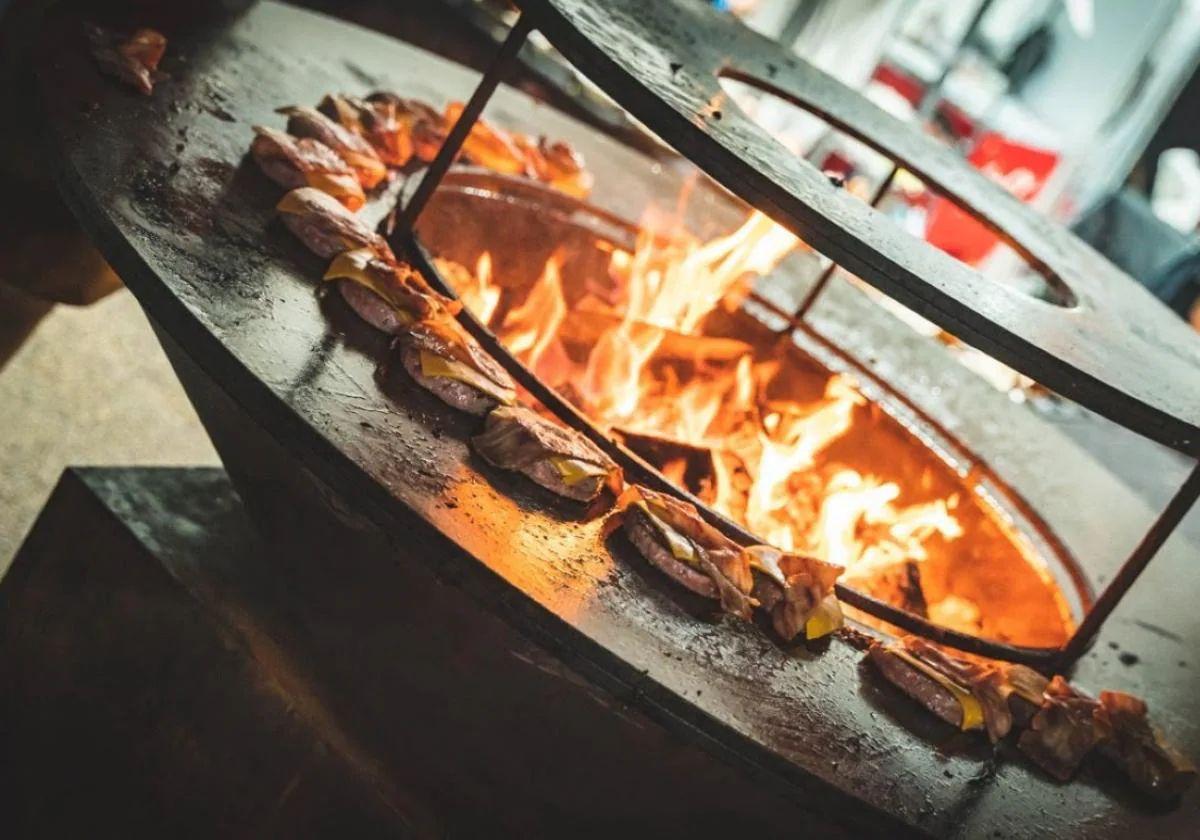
column 90, row 386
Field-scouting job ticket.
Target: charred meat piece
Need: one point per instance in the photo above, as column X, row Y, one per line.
column 326, row 227
column 489, row 146
column 1138, row 748
column 564, row 168
column 947, row 695
column 388, row 296
column 446, row 361
column 377, row 122
column 424, row 125
column 1024, row 688
column 796, row 591
column 561, row 460
column 133, row 60
column 354, row 150
column 293, row 163
column 673, row 538
column 1065, row 729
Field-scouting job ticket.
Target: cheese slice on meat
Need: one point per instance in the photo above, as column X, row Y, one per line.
column 433, row 365
column 681, row 547
column 574, row 471
column 972, row 711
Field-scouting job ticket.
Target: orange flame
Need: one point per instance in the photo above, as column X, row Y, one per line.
column 637, row 376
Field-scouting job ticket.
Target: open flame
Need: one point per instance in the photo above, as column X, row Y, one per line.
column 636, row 359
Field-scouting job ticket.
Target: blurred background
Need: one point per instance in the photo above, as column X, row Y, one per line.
column 1085, row 109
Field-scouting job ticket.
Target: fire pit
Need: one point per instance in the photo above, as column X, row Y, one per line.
column 915, row 526
column 468, row 626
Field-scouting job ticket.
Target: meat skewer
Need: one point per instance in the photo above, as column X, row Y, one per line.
column 389, row 296
column 305, row 162
column 326, row 227
column 446, row 361
column 561, row 460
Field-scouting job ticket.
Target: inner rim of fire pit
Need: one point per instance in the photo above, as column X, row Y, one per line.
column 663, row 62
column 571, row 224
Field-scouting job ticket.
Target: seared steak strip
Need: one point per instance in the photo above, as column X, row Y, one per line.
column 354, row 150
column 446, row 361
column 670, row 534
column 388, row 296
column 326, row 227
column 796, row 591
column 561, row 460
column 305, row 162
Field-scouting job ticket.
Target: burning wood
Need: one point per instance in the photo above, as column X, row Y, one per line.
column 688, row 465
column 639, row 363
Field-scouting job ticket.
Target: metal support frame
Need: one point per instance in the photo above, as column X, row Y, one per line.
column 810, row 297
column 458, row 133
column 1176, row 509
column 1045, row 658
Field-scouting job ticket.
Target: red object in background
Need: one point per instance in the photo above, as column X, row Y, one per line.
column 1022, row 170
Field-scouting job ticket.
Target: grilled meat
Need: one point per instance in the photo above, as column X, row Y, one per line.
column 326, row 227
column 388, row 296
column 943, row 690
column 563, row 168
column 1064, row 730
column 354, row 150
column 489, row 146
column 377, row 122
column 293, row 163
column 446, row 361
column 133, row 60
column 673, row 538
column 425, row 127
column 561, row 460
column 1139, row 750
column 796, row 591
